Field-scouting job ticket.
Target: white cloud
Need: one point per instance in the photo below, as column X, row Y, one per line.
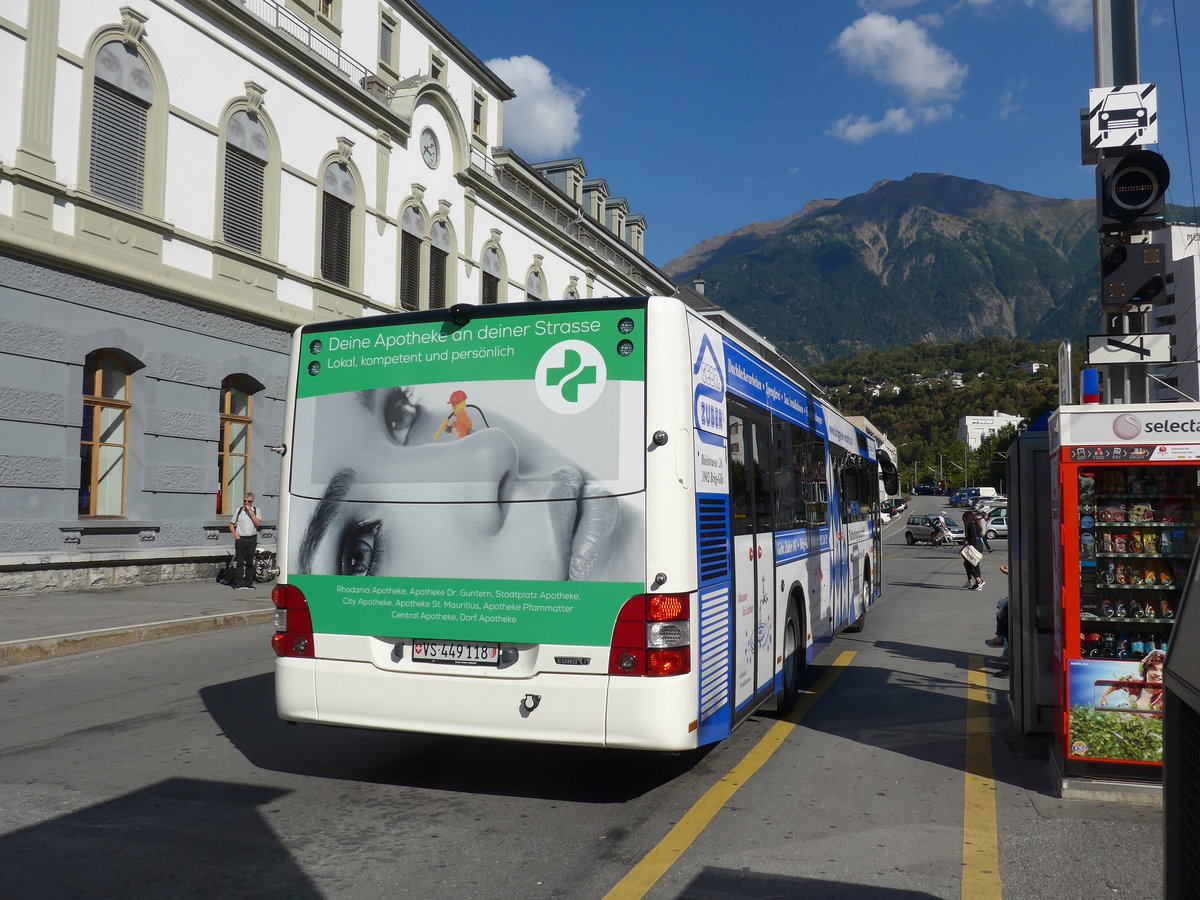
column 543, row 121
column 900, row 120
column 901, row 55
column 857, row 129
column 1075, row 15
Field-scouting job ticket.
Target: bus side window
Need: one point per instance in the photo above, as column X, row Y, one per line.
column 739, row 487
column 764, row 495
column 815, row 493
column 789, row 472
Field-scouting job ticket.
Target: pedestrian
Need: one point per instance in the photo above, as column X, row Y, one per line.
column 1001, row 637
column 983, row 533
column 973, row 539
column 244, row 527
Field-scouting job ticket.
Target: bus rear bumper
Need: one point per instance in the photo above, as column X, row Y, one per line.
column 585, row 710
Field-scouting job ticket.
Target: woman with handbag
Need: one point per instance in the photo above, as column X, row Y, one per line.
column 972, row 551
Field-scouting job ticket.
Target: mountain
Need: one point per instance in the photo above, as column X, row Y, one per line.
column 933, row 258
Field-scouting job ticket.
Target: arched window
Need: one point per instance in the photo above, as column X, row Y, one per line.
column 339, row 199
column 439, row 264
column 233, row 456
column 122, row 94
column 533, row 285
column 247, row 152
column 104, row 437
column 491, row 276
column 411, row 232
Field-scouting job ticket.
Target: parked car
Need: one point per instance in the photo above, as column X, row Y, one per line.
column 988, row 506
column 921, row 528
column 927, row 490
column 893, row 507
column 959, row 498
column 996, row 526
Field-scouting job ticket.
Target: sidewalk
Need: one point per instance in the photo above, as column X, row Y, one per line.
column 41, row 626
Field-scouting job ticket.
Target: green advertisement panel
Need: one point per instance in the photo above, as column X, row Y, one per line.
column 510, row 611
column 497, row 466
column 492, row 349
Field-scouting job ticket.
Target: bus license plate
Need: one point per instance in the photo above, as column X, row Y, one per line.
column 463, row 653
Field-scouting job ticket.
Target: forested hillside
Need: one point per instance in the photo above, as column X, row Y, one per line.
column 912, row 395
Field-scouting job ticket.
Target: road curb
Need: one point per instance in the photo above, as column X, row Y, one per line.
column 14, row 653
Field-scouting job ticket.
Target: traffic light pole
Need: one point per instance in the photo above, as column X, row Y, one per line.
column 1116, row 35
column 1117, row 62
column 1130, row 184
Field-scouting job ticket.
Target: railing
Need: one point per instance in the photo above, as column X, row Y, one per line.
column 483, row 162
column 569, row 223
column 301, row 32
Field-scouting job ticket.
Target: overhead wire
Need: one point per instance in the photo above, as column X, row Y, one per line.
column 1187, row 136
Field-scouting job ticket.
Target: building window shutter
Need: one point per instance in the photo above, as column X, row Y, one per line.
column 118, row 151
column 243, row 209
column 335, row 240
column 246, row 152
column 339, row 199
column 439, row 260
column 410, row 259
column 410, row 271
column 491, row 277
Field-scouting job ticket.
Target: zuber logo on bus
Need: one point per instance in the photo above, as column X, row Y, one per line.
column 709, row 387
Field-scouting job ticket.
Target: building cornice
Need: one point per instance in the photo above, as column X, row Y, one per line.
column 310, row 68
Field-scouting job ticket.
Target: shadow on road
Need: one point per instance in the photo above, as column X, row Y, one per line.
column 721, row 884
column 245, row 712
column 177, row 838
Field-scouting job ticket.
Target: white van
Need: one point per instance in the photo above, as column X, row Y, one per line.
column 970, row 495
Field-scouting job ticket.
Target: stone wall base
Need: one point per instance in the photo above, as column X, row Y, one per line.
column 98, row 575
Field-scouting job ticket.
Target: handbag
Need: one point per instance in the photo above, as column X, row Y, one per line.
column 970, row 554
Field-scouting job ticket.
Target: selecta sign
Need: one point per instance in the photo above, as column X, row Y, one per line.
column 1148, row 432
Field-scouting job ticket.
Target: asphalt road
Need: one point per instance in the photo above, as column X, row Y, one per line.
column 160, row 769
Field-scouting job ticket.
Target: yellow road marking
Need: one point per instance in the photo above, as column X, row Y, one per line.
column 658, row 861
column 981, row 845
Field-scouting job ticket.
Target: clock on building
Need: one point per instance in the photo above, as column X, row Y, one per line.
column 430, row 151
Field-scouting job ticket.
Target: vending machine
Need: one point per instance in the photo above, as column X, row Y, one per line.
column 1125, row 499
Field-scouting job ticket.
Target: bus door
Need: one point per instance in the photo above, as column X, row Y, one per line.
column 753, row 554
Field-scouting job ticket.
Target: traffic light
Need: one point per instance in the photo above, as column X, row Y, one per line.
column 1131, row 191
column 1132, row 274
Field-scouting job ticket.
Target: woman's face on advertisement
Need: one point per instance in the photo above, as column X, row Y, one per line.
column 495, row 502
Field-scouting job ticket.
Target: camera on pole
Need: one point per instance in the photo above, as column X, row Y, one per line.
column 1131, row 190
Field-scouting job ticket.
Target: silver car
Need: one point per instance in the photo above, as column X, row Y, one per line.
column 921, row 528
column 996, row 526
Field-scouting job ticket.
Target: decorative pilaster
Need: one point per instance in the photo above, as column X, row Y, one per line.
column 37, row 94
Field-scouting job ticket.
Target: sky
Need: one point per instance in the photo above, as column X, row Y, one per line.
column 709, row 116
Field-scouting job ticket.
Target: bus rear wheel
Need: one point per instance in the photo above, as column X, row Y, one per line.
column 792, row 663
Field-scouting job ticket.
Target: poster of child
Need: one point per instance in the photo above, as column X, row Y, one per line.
column 1116, row 708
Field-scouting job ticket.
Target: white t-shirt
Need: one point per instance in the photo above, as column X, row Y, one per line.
column 243, row 523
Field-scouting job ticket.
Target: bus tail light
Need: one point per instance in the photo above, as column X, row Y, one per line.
column 293, row 623
column 651, row 637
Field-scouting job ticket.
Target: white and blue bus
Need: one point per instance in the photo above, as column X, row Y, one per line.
column 611, row 523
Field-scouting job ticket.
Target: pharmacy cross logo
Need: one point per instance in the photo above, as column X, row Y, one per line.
column 570, row 377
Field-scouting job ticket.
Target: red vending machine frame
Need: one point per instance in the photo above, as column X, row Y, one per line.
column 1127, row 514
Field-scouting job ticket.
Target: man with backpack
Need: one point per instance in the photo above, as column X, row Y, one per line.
column 244, row 527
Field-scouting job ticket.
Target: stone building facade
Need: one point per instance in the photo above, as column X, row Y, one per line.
column 182, row 184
